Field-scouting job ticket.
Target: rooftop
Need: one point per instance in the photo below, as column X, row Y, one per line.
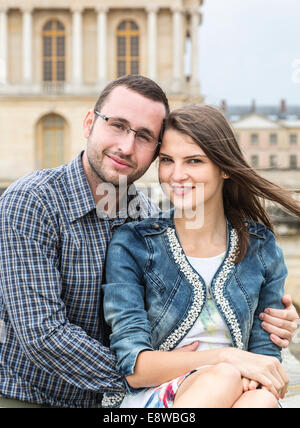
column 282, row 111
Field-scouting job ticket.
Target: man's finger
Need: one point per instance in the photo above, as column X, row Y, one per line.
column 278, row 322
column 289, row 314
column 271, row 329
column 287, row 300
column 188, row 348
column 282, row 343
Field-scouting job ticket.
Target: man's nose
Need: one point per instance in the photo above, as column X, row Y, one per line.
column 127, row 143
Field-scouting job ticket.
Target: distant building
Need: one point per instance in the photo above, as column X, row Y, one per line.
column 56, row 56
column 269, row 137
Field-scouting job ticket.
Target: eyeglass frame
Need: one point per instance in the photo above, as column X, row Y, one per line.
column 106, row 118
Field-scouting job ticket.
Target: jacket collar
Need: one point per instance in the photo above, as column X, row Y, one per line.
column 159, row 224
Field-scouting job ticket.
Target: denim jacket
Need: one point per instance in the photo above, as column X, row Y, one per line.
column 153, row 296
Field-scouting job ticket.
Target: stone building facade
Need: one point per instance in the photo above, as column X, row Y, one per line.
column 56, row 56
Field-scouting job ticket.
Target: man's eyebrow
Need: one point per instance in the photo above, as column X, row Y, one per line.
column 148, row 131
column 120, row 119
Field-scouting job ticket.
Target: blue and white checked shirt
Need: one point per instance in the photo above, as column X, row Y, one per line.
column 52, row 250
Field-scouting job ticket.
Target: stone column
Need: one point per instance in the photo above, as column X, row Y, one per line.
column 3, row 46
column 177, row 50
column 152, row 41
column 27, row 46
column 77, row 46
column 194, row 27
column 102, row 44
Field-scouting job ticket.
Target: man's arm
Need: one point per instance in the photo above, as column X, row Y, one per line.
column 281, row 323
column 31, row 289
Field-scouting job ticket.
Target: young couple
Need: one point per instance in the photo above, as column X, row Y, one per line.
column 184, row 294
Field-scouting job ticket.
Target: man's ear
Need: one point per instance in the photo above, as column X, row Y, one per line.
column 88, row 123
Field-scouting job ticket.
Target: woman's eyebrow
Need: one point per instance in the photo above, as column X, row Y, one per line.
column 164, row 154
column 186, row 157
column 195, row 156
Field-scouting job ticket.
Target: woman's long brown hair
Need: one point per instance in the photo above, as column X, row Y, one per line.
column 245, row 191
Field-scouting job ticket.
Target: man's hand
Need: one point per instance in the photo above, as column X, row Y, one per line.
column 188, row 348
column 281, row 323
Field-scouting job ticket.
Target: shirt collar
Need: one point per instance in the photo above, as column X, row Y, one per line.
column 81, row 200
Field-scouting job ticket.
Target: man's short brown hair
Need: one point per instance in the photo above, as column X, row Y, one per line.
column 137, row 83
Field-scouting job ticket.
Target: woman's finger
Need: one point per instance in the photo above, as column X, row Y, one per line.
column 253, row 385
column 246, row 383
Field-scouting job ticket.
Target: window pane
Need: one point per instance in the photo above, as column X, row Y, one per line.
column 54, row 51
column 134, row 44
column 127, row 48
column 122, row 26
column 48, row 148
column 121, row 46
column 273, row 139
column 47, row 46
column 48, row 26
column 121, row 68
column 59, row 26
column 59, row 147
column 58, row 122
column 60, row 70
column 293, row 161
column 134, row 67
column 53, row 141
column 60, row 46
column 293, row 139
column 254, row 138
column 133, row 26
column 254, row 161
column 47, row 71
column 273, row 161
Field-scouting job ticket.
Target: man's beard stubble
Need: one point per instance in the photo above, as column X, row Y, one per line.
column 101, row 175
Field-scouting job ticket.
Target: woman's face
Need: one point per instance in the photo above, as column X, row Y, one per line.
column 188, row 177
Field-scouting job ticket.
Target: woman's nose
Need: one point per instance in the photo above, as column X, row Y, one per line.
column 179, row 173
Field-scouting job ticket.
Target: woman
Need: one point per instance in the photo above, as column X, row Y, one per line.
column 201, row 273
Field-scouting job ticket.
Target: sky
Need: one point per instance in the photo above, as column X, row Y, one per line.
column 250, row 50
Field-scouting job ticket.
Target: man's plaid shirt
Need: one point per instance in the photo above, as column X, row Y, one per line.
column 52, row 250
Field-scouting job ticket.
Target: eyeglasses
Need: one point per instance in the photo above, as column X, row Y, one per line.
column 121, row 128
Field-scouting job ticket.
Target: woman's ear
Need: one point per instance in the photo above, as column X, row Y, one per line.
column 224, row 175
column 88, row 123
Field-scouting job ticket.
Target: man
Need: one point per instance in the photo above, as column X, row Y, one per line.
column 52, row 251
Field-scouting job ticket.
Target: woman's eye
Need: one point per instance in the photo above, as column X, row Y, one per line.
column 164, row 160
column 195, row 161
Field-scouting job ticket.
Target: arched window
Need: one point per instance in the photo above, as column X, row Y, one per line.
column 53, row 51
column 128, row 36
column 51, row 132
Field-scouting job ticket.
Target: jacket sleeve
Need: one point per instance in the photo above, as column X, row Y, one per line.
column 270, row 296
column 124, row 297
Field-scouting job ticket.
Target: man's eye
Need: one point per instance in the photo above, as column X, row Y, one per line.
column 118, row 125
column 143, row 137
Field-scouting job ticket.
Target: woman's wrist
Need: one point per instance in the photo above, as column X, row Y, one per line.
column 227, row 354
